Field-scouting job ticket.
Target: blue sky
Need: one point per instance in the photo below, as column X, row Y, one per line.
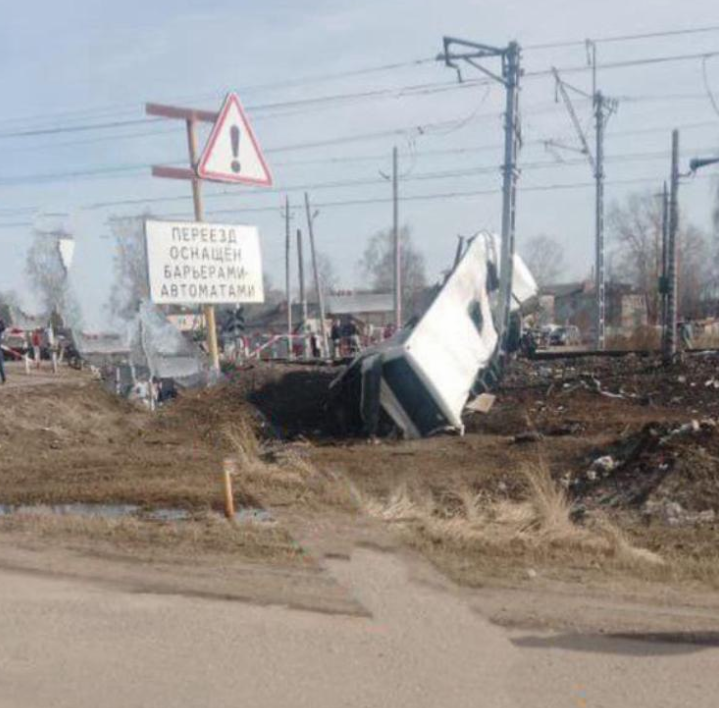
column 64, row 66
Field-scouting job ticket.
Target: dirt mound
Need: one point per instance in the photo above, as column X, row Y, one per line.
column 79, row 443
column 665, row 470
column 66, row 413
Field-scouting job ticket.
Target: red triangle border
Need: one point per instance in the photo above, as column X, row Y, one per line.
column 231, row 99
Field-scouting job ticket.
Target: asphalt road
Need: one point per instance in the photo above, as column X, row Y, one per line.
column 75, row 644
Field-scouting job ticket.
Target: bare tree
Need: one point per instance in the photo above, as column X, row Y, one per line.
column 636, row 228
column 694, row 270
column 8, row 301
column 378, row 265
column 328, row 278
column 544, row 258
column 131, row 284
column 273, row 295
column 47, row 274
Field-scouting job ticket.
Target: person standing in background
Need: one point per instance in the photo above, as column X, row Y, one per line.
column 36, row 347
column 336, row 337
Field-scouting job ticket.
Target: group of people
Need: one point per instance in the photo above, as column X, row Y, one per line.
column 345, row 333
column 36, row 341
column 346, row 337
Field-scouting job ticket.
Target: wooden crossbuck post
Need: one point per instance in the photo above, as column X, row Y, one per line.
column 191, row 117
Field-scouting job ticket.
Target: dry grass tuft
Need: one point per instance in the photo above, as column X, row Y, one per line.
column 538, row 528
column 283, row 475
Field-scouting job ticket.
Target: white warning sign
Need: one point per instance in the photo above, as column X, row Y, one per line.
column 232, row 153
column 197, row 263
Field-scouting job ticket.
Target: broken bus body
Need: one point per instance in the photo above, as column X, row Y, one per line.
column 420, row 380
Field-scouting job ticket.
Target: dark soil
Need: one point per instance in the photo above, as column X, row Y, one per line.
column 292, row 398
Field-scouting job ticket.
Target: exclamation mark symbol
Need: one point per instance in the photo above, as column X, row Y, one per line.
column 235, row 139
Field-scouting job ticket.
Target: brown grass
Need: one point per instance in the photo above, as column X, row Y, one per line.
column 208, row 533
column 282, row 474
column 644, row 338
column 459, row 527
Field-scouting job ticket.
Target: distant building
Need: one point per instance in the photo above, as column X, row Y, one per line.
column 368, row 308
column 574, row 304
column 265, row 323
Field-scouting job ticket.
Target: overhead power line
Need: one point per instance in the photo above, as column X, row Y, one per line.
column 431, row 196
column 107, row 172
column 456, row 173
column 625, row 37
column 444, row 195
column 130, row 107
column 114, row 109
column 365, row 95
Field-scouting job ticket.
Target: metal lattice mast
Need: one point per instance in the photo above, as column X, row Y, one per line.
column 599, row 275
column 670, row 347
column 459, row 50
column 603, row 107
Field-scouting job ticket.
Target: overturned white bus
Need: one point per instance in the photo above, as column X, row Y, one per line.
column 420, row 380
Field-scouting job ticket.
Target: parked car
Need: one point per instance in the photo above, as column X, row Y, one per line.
column 565, row 336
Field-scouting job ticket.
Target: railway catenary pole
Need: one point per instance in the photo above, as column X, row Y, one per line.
column 459, row 50
column 511, row 74
column 397, row 289
column 670, row 347
column 599, row 275
column 603, row 107
column 663, row 280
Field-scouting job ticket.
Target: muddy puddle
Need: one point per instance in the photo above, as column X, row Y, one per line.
column 119, row 511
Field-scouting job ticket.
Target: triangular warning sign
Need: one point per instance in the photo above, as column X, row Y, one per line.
column 232, row 153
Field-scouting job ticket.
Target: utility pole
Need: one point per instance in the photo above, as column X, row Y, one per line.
column 318, row 284
column 663, row 279
column 670, row 346
column 472, row 53
column 209, row 310
column 599, row 118
column 603, row 107
column 191, row 117
column 511, row 73
column 397, row 247
column 288, row 277
column 303, row 293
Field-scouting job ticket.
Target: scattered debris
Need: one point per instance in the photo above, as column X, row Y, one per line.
column 482, row 403
column 603, row 464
